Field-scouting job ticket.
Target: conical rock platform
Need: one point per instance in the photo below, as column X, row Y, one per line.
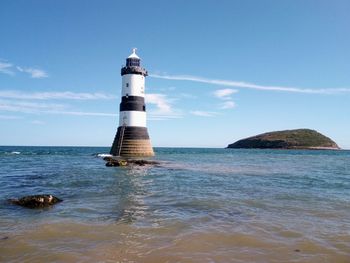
column 132, row 142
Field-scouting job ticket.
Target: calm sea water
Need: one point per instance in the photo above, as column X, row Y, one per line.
column 200, row 205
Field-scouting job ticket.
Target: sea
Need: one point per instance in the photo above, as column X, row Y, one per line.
column 197, row 205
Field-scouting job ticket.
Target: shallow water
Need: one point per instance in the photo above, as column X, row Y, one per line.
column 201, row 205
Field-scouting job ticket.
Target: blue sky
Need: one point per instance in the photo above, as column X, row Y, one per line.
column 219, row 70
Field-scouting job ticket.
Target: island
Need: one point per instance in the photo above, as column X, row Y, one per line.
column 288, row 139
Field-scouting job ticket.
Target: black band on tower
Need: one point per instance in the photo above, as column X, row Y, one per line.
column 135, row 133
column 133, row 70
column 132, row 103
column 137, row 99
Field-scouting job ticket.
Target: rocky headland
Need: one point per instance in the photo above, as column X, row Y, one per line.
column 288, row 139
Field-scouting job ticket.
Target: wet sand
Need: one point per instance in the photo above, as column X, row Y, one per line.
column 76, row 242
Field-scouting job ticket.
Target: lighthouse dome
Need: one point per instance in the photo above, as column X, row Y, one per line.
column 133, row 54
column 133, row 60
column 133, row 65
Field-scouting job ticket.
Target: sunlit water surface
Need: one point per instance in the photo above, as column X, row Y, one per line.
column 199, row 205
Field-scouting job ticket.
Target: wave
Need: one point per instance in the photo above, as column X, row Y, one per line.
column 10, row 153
column 103, row 155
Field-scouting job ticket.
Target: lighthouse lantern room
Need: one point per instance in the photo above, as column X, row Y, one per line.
column 132, row 139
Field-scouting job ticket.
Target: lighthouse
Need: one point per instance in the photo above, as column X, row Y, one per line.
column 132, row 139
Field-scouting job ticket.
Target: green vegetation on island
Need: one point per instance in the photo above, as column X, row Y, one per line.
column 288, row 139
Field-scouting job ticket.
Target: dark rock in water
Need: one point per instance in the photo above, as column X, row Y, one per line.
column 144, row 162
column 289, row 139
column 36, row 201
column 108, row 158
column 111, row 162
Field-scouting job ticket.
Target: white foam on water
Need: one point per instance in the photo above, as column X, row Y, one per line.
column 102, row 155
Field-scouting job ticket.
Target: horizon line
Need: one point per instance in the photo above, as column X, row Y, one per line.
column 203, row 147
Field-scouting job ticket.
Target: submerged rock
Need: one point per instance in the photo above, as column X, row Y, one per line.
column 111, row 162
column 289, row 139
column 36, row 201
column 144, row 162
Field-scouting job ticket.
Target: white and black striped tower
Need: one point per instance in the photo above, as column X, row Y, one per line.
column 132, row 139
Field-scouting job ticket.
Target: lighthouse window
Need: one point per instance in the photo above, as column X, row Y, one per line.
column 127, row 85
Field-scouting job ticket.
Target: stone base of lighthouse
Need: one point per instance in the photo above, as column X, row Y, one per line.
column 132, row 142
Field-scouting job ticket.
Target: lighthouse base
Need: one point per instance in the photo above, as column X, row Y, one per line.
column 132, row 142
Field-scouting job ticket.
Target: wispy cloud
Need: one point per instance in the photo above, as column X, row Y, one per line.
column 228, row 105
column 204, row 113
column 6, row 68
column 16, row 102
column 186, row 96
column 33, row 72
column 9, row 117
column 241, row 84
column 28, row 107
column 160, row 100
column 9, row 69
column 84, row 113
column 163, row 109
column 37, row 122
column 46, row 108
column 14, row 94
column 155, row 116
column 224, row 94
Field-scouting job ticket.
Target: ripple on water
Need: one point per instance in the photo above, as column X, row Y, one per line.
column 200, row 205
